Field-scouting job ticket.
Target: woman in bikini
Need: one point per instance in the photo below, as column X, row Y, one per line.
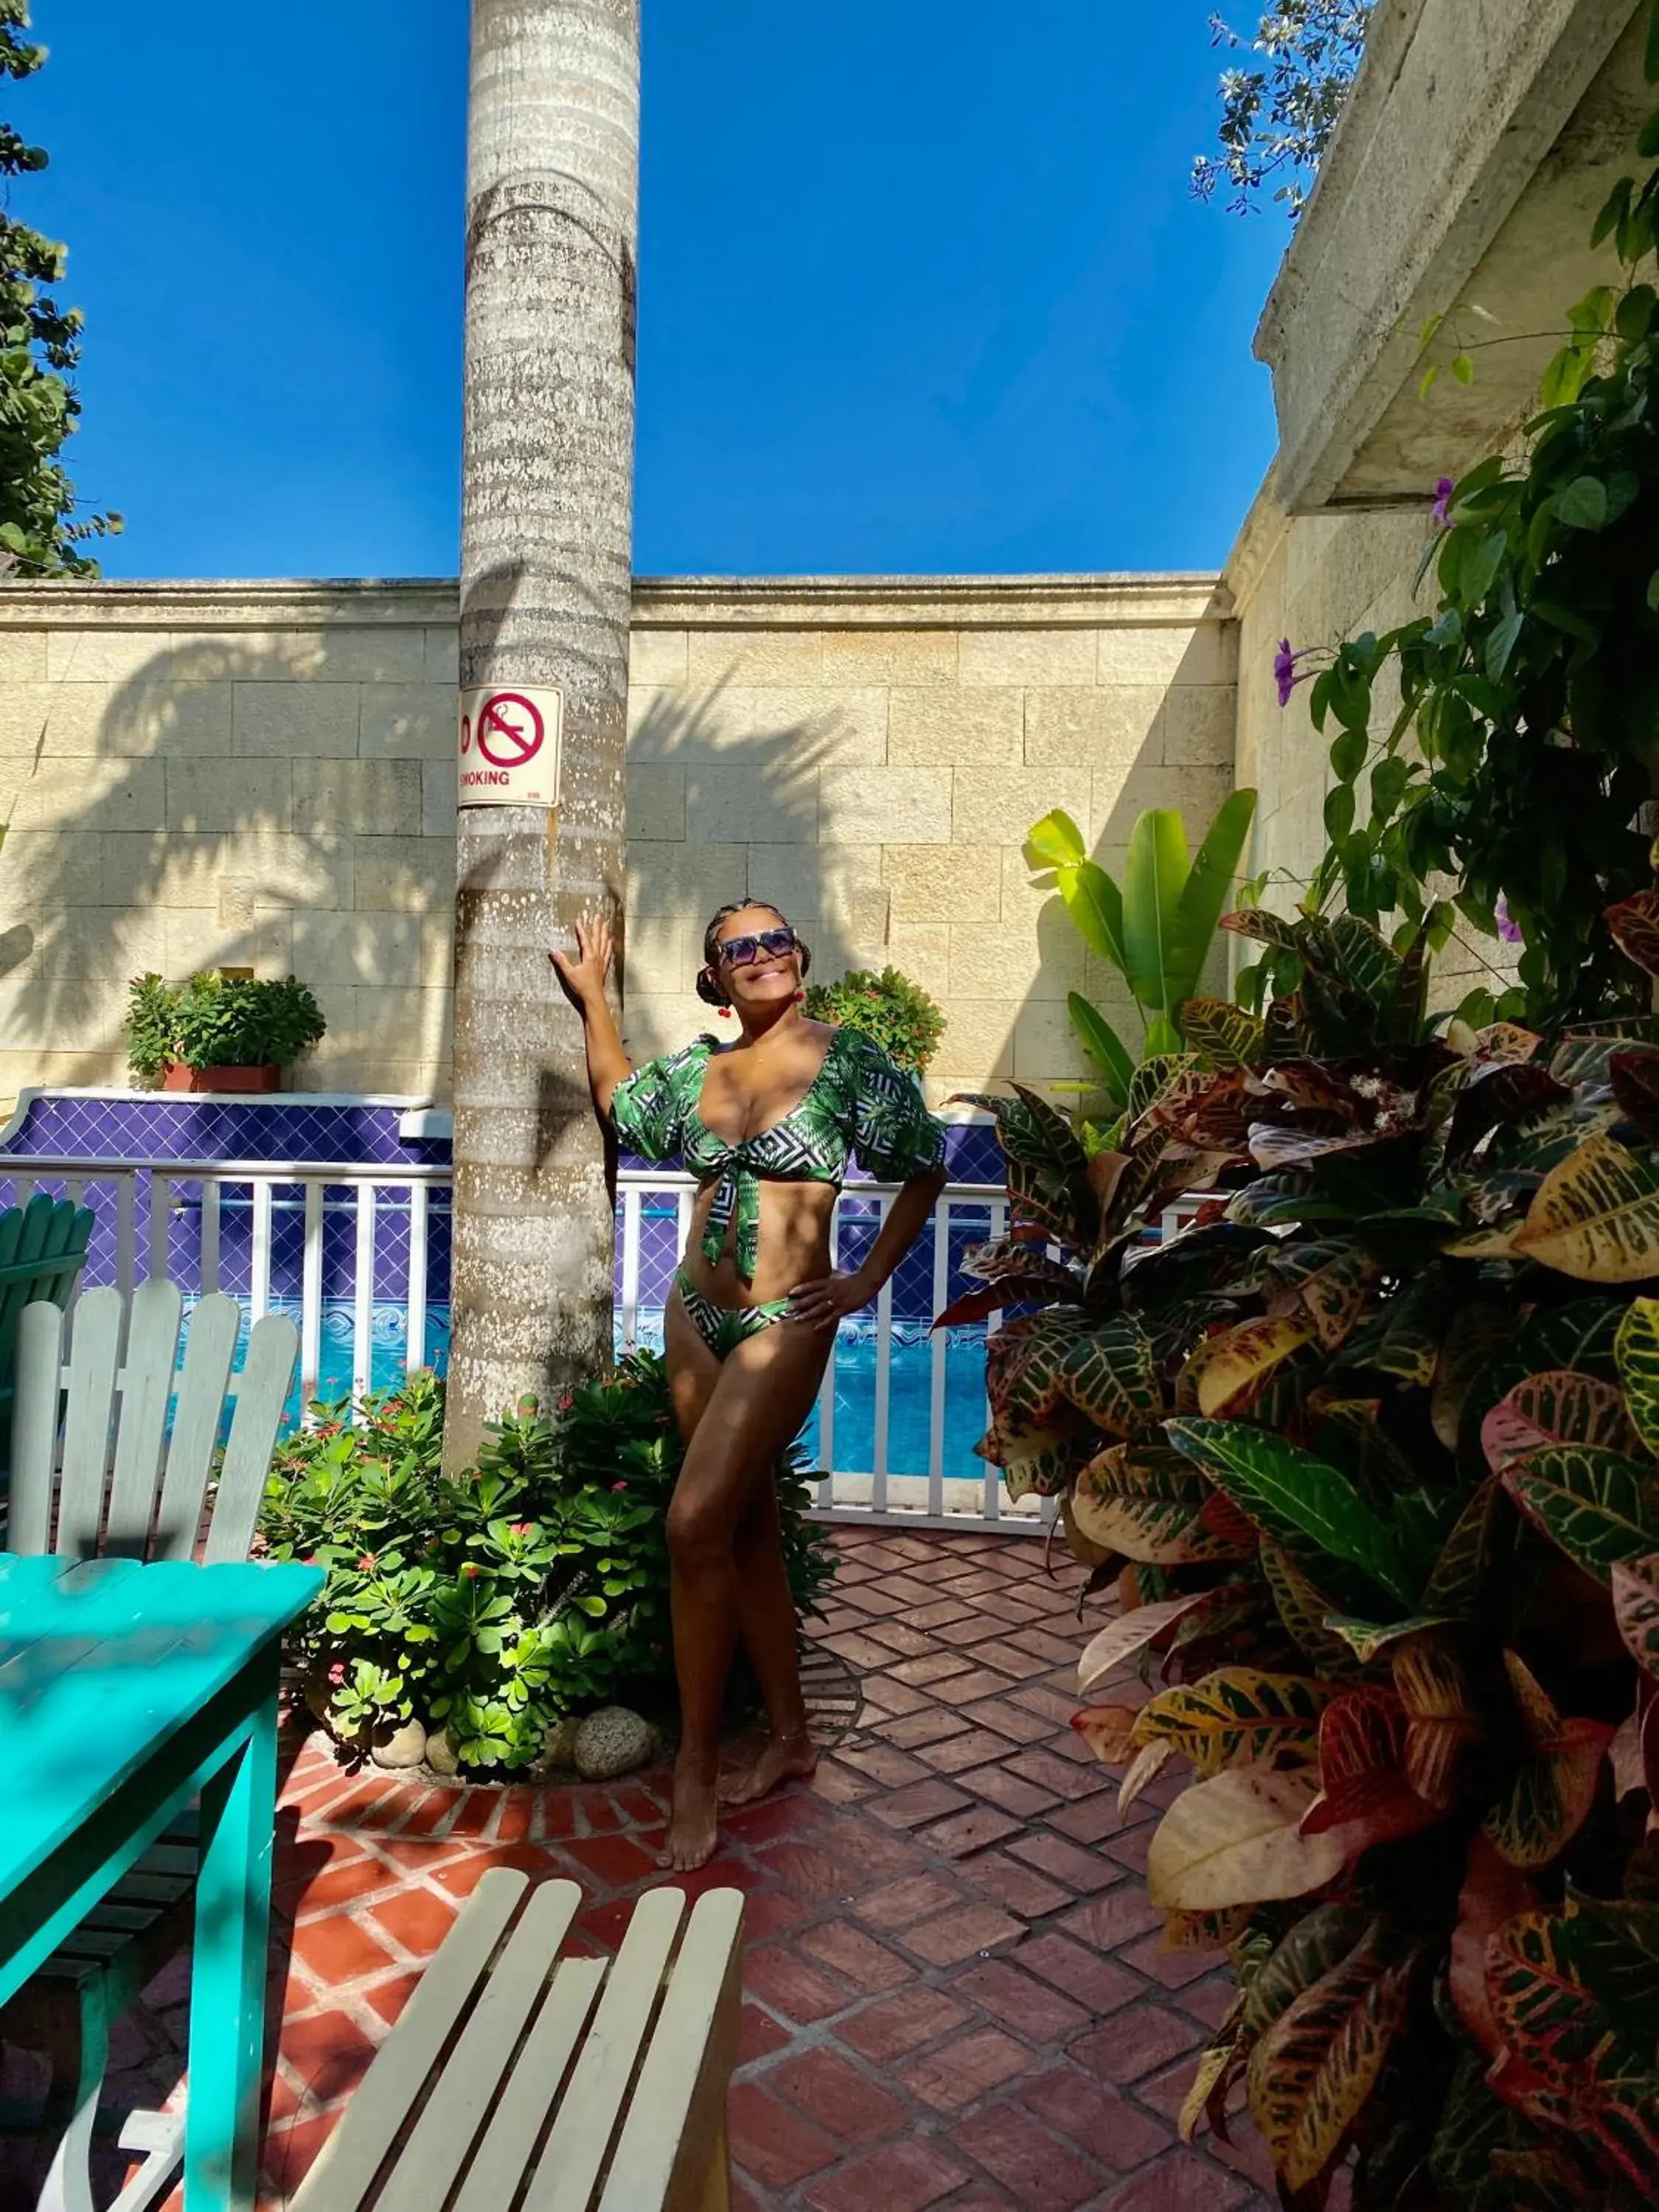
column 765, row 1123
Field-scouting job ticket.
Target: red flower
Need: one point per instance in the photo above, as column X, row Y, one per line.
column 523, row 1528
column 471, row 1569
column 566, row 1402
column 619, row 1486
column 337, row 1672
column 368, row 1564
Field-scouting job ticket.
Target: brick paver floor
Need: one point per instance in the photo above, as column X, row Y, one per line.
column 955, row 1995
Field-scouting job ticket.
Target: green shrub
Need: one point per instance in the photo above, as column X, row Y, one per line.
column 218, row 1021
column 1370, row 1458
column 531, row 1587
column 1158, row 929
column 888, row 1007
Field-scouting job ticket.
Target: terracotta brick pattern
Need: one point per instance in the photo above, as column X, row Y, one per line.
column 954, row 1995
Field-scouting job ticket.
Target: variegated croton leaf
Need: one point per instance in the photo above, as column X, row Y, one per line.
column 1554, row 1785
column 1148, row 1503
column 1576, row 1997
column 1597, row 1216
column 1313, row 2069
column 1014, row 1272
column 1237, row 1716
column 1598, row 1506
column 1109, row 1377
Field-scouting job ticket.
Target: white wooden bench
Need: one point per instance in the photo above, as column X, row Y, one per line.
column 504, row 2086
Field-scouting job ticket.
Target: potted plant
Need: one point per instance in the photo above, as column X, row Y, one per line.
column 220, row 1032
column 897, row 1013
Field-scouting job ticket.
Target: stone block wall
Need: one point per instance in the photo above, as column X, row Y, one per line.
column 870, row 756
column 209, row 775
column 263, row 776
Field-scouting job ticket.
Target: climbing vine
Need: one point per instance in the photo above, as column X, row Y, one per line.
column 1523, row 760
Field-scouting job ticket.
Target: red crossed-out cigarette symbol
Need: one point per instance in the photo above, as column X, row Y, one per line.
column 510, row 730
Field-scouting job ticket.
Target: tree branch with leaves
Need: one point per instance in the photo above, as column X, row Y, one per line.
column 1279, row 112
column 41, row 531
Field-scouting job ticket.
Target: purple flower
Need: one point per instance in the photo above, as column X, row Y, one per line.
column 1286, row 673
column 1444, row 489
column 1508, row 930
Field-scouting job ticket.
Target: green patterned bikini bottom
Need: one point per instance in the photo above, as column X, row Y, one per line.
column 723, row 1328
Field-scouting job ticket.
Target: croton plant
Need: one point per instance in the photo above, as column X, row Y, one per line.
column 1371, row 1455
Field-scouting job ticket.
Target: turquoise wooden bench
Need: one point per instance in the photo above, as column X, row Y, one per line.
column 131, row 1689
column 97, row 1472
column 43, row 1247
column 515, row 2081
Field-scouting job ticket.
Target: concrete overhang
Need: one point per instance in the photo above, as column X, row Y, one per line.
column 1480, row 140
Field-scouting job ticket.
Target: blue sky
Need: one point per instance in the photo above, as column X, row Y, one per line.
column 922, row 288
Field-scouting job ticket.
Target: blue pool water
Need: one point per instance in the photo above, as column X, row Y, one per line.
column 910, row 1384
column 388, row 1339
column 910, row 1400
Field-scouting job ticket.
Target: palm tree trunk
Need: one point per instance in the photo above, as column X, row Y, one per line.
column 552, row 200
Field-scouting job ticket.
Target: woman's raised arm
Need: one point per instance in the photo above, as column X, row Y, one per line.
column 583, row 977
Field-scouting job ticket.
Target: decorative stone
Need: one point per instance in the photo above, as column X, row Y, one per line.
column 440, row 1754
column 612, row 1741
column 558, row 1747
column 399, row 1746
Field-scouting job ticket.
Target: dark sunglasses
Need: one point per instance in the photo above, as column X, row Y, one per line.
column 742, row 952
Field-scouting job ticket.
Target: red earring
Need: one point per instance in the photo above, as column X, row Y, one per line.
column 801, row 998
column 725, row 1012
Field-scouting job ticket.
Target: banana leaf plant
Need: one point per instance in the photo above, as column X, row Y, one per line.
column 1370, row 1456
column 1157, row 929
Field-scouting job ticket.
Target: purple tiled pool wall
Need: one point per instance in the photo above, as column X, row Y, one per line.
column 342, row 1133
column 139, row 1125
column 300, row 1130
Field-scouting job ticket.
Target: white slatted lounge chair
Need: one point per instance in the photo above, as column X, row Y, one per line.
column 96, row 1472
column 515, row 2081
column 43, row 1248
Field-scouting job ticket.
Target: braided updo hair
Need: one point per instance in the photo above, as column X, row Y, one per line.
column 708, row 987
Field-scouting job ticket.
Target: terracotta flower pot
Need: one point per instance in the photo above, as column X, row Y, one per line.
column 247, row 1079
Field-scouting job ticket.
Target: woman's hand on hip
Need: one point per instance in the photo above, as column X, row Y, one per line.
column 821, row 1304
column 583, row 973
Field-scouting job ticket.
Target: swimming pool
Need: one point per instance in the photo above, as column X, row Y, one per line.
column 910, row 1382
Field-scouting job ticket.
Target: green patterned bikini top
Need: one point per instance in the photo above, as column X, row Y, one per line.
column 859, row 1102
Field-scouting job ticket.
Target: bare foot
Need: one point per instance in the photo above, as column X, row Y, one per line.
column 783, row 1758
column 692, row 1828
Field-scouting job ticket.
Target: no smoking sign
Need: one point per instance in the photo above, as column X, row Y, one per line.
column 509, row 746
